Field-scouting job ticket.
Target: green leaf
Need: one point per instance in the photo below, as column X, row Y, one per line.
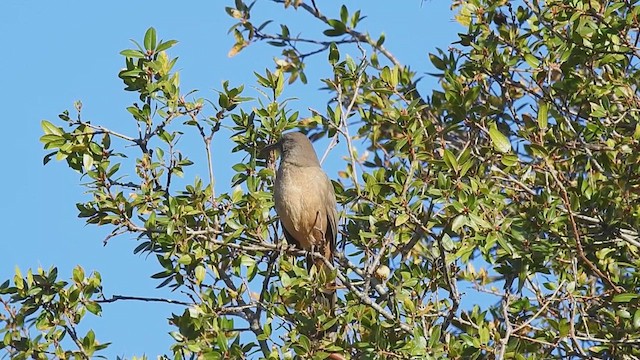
column 87, row 162
column 598, row 110
column 344, row 14
column 78, row 274
column 401, row 219
column 636, row 319
column 458, row 222
column 450, row 160
column 532, row 61
column 542, row 114
column 166, row 45
column 480, row 221
column 49, row 128
column 509, row 160
column 48, row 157
column 626, row 297
column 200, row 274
column 484, row 335
column 333, row 32
column 334, row 54
column 437, row 62
column 93, row 307
column 150, row 39
column 132, row 53
column 500, row 142
column 185, row 259
column 623, row 314
column 305, row 343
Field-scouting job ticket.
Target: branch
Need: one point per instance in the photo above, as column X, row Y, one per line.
column 74, row 336
column 115, row 298
column 251, row 317
column 541, row 310
column 207, row 145
column 104, row 130
column 363, row 297
column 313, row 10
column 342, row 259
column 629, row 235
column 373, row 266
column 454, row 295
column 576, row 233
column 609, row 341
column 269, row 247
column 343, row 128
column 267, row 278
column 513, row 180
column 506, row 298
column 332, row 144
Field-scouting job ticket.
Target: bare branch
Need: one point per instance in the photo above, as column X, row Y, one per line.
column 115, row 298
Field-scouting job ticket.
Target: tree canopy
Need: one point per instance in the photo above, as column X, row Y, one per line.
column 516, row 177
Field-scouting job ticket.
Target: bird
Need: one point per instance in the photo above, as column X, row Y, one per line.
column 305, row 201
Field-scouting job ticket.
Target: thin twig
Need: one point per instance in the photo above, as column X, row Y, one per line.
column 454, row 294
column 74, row 336
column 104, row 130
column 576, row 233
column 355, row 34
column 250, row 316
column 115, row 298
column 502, row 348
column 542, row 309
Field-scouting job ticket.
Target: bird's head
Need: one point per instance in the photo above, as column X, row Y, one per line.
column 295, row 148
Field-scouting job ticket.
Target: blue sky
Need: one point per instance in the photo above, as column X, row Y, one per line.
column 59, row 52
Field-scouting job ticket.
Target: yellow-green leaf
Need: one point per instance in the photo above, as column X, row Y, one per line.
column 49, row 128
column 532, row 61
column 458, row 222
column 543, row 109
column 87, row 162
column 236, row 49
column 401, row 219
column 500, row 142
column 150, row 39
column 185, row 259
column 200, row 273
column 620, row 298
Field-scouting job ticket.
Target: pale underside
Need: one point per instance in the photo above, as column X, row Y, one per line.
column 305, row 202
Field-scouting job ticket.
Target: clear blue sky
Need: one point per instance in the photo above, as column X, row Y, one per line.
column 61, row 51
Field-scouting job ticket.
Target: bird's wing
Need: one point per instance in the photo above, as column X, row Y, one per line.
column 332, row 220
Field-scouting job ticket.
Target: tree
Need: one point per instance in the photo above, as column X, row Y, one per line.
column 517, row 177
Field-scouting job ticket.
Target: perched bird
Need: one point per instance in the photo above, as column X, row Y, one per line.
column 305, row 200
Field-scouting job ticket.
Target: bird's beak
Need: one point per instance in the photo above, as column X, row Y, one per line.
column 266, row 151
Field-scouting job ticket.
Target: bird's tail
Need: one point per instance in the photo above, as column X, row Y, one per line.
column 326, row 298
column 326, row 294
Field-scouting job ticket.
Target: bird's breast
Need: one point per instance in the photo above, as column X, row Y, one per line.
column 300, row 201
